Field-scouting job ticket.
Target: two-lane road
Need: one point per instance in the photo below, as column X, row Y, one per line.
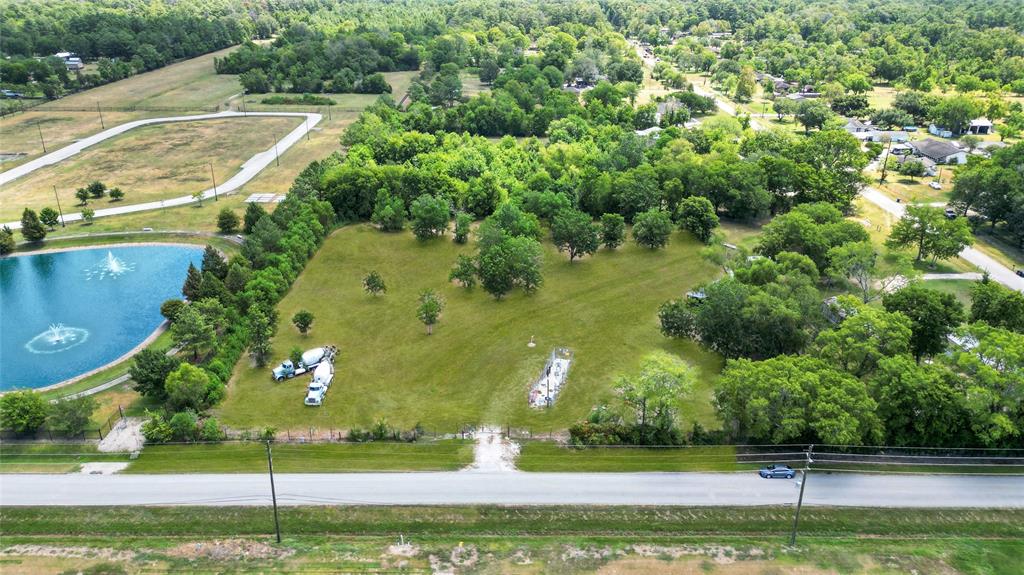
column 514, row 488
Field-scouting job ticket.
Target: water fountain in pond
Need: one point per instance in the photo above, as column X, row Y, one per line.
column 111, row 266
column 57, row 338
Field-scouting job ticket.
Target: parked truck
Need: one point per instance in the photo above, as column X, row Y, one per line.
column 310, row 360
column 322, row 378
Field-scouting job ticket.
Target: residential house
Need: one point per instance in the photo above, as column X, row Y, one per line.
column 71, row 61
column 855, row 126
column 939, row 152
column 930, row 167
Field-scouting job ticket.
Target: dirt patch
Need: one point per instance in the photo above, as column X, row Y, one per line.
column 103, row 467
column 125, row 437
column 722, row 555
column 694, row 566
column 68, row 552
column 229, row 549
column 493, row 452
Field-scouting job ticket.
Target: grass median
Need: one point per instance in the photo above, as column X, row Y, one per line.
column 50, row 457
column 442, row 455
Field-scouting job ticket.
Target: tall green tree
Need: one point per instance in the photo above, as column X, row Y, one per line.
column 149, row 371
column 652, row 228
column 658, row 391
column 303, row 320
column 697, row 216
column 31, row 228
column 429, row 216
column 71, row 416
column 613, row 230
column 191, row 331
column 933, row 316
column 574, row 232
column 388, row 212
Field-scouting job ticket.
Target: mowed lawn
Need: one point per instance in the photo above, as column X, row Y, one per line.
column 477, row 367
column 149, row 163
column 443, row 455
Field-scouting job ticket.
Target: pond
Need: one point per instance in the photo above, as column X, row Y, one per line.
column 65, row 313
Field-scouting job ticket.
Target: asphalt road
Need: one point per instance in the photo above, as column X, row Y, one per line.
column 249, row 170
column 514, row 488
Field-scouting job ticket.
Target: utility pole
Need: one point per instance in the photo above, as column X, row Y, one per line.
column 800, row 500
column 277, row 156
column 273, row 493
column 100, row 112
column 41, row 137
column 60, row 211
column 214, row 181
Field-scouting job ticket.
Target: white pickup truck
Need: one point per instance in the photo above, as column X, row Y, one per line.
column 323, row 375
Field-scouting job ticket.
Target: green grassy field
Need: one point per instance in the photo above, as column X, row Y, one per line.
column 442, row 455
column 149, row 163
column 526, row 540
column 546, row 456
column 477, row 367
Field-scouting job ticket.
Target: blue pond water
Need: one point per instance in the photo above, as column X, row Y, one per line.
column 65, row 313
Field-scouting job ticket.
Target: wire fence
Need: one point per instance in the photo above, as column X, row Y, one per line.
column 45, row 434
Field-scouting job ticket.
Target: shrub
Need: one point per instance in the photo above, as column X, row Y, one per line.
column 227, row 221
column 211, row 431
column 71, row 416
column 171, row 308
column 184, row 426
column 156, row 429
column 22, row 411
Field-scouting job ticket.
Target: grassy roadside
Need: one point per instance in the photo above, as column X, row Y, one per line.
column 457, row 521
column 547, row 456
column 218, row 242
column 444, row 455
column 50, row 458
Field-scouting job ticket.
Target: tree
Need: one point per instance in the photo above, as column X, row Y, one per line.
column 190, row 387
column 911, row 168
column 22, row 411
column 795, row 398
column 430, row 308
column 613, row 230
column 677, row 319
column 227, row 221
column 253, row 213
column 255, row 81
column 373, row 284
column 71, row 416
column 573, row 231
column 87, row 215
column 31, row 228
column 171, row 308
column 7, row 243
column 508, row 263
column 652, row 228
column 260, row 333
column 863, row 339
column 812, row 114
column 193, row 283
column 918, row 403
column 488, row 70
column 892, row 118
column 955, row 113
column 463, row 221
column 995, row 365
column 83, row 196
column 149, row 371
column 116, row 194
column 191, row 331
column 746, row 84
column 464, row 271
column 931, row 232
column 858, row 263
column 933, row 316
column 783, row 107
column 656, row 393
column 971, row 141
column 388, row 212
column 197, row 197
column 49, row 217
column 303, row 320
column 997, row 305
column 96, row 190
column 429, row 216
column 696, row 215
column 214, row 263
